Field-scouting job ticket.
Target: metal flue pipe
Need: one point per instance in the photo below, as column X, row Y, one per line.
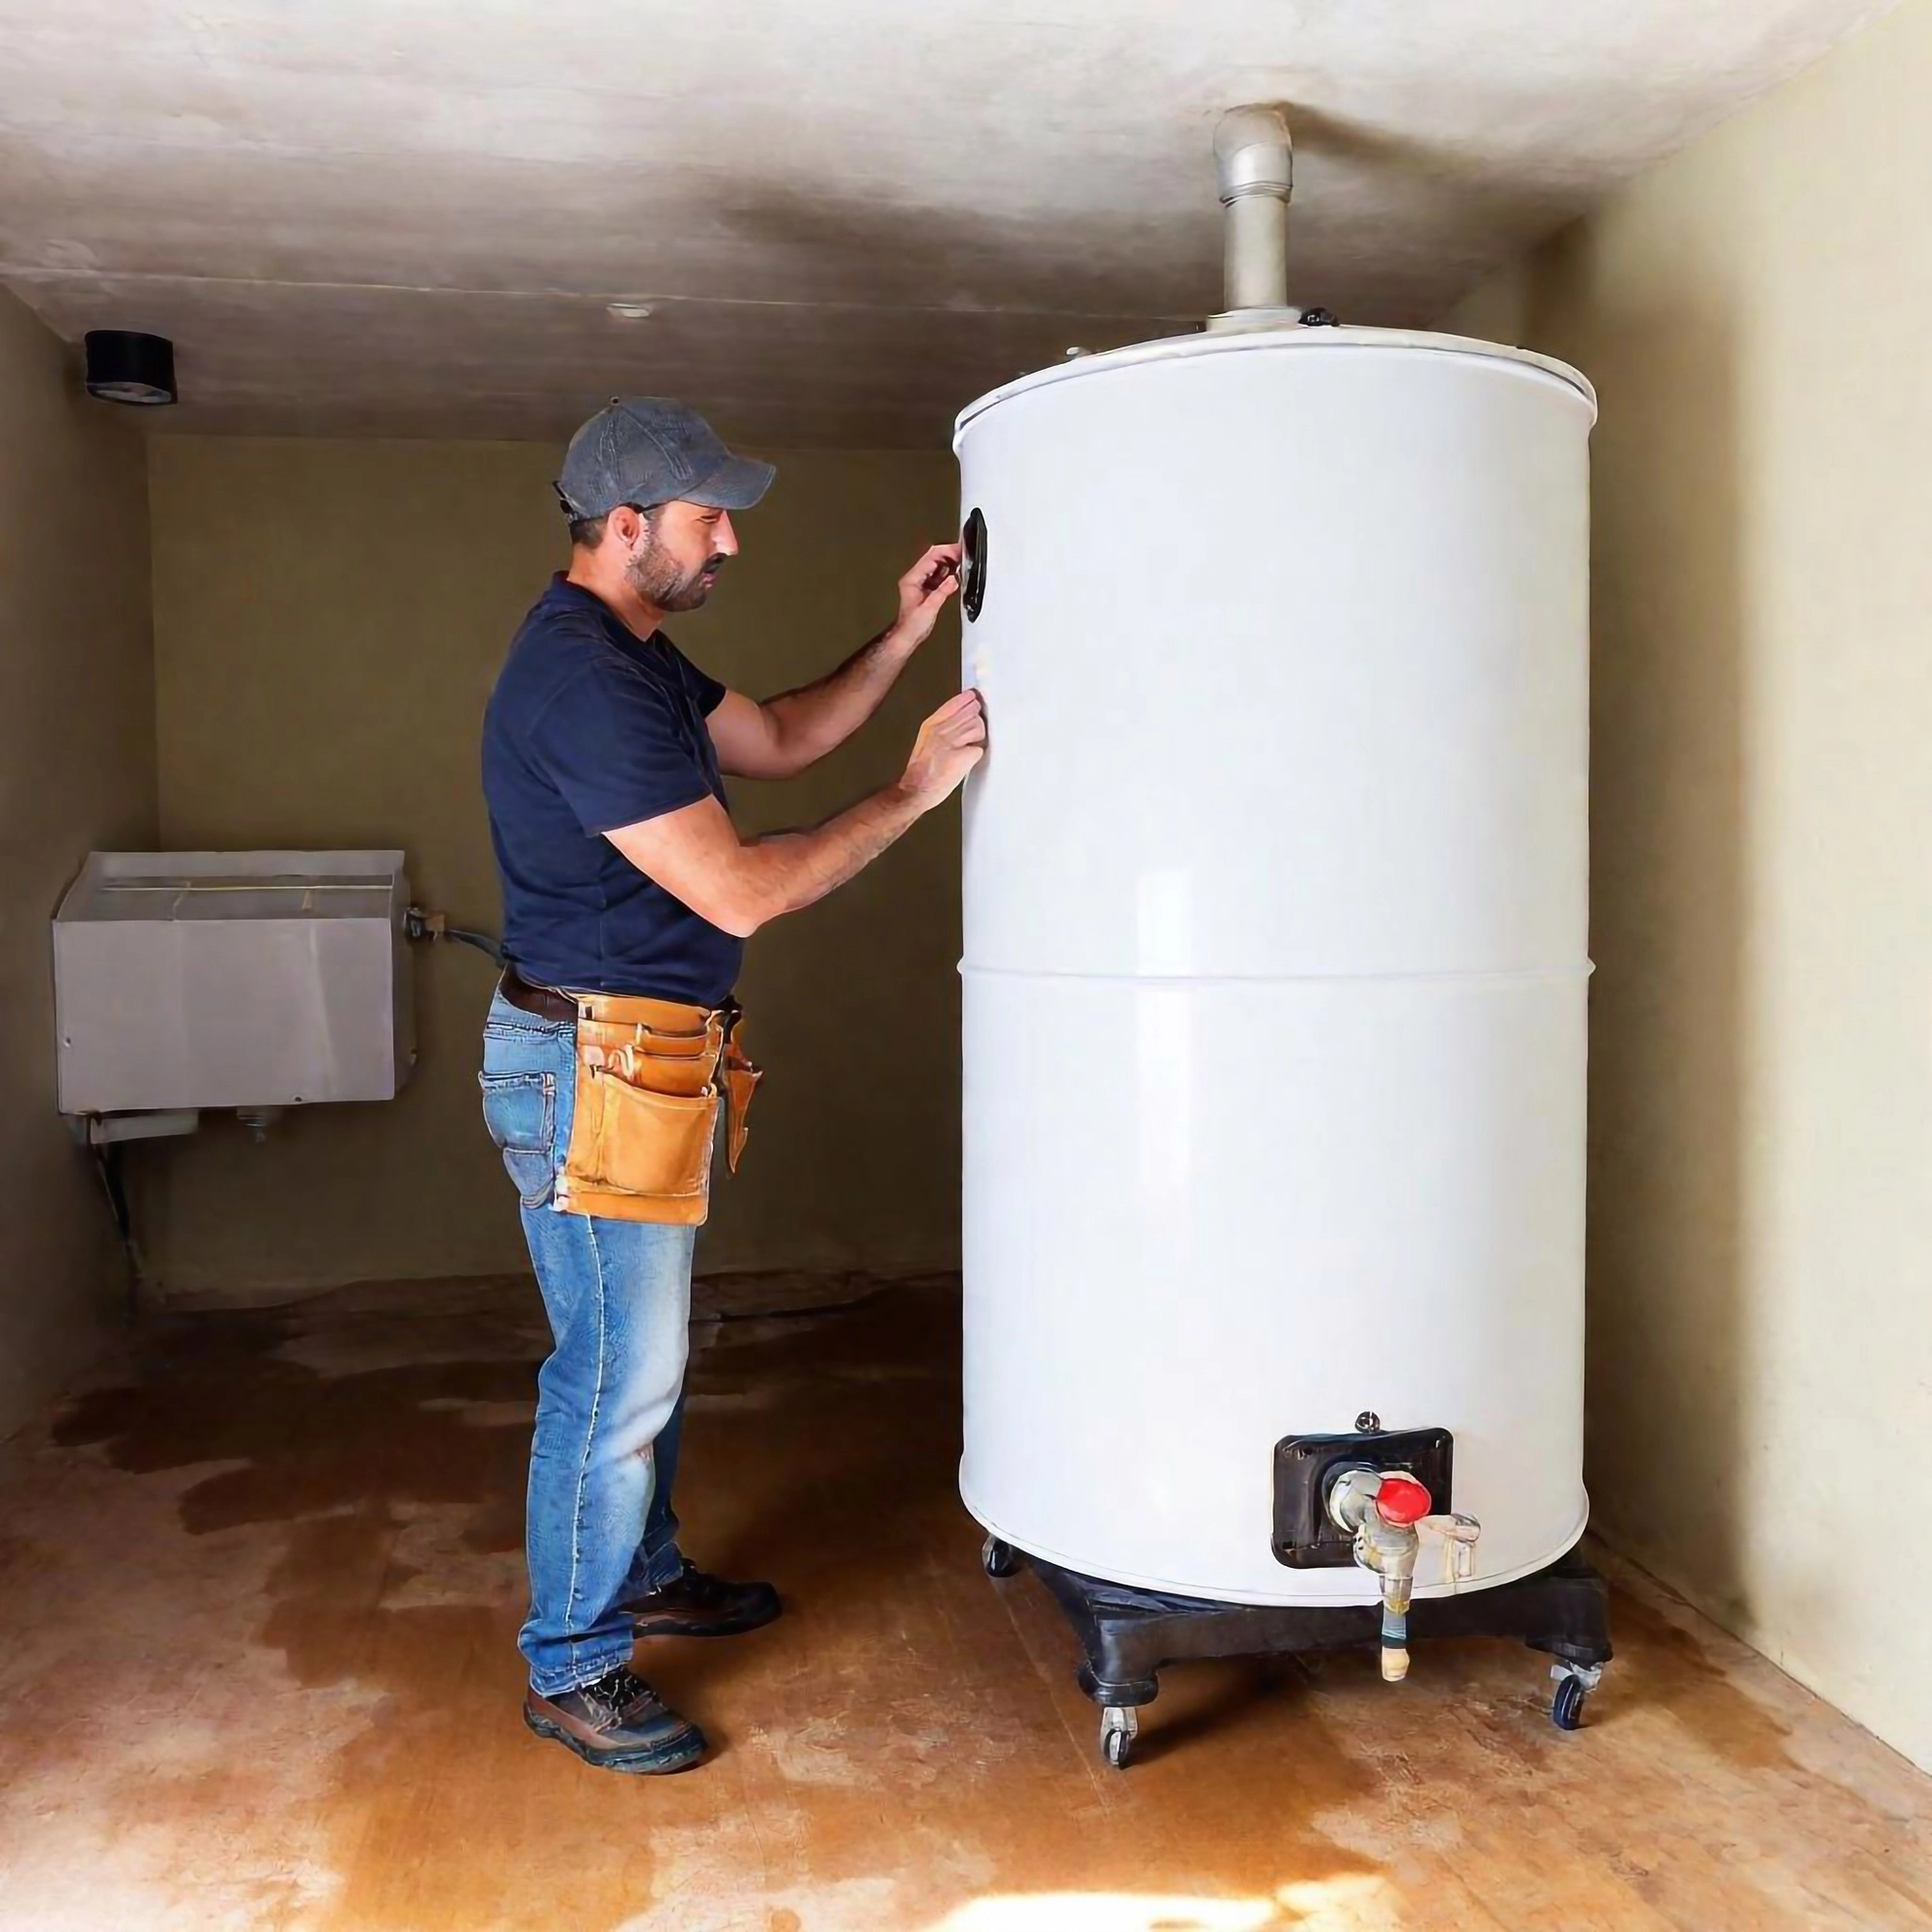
column 1254, row 161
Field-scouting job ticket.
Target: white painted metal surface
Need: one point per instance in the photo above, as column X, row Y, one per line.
column 1275, row 917
column 190, row 979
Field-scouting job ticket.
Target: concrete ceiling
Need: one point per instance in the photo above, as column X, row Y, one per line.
column 848, row 216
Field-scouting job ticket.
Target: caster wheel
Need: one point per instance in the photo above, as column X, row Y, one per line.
column 996, row 1559
column 1566, row 1708
column 1119, row 1726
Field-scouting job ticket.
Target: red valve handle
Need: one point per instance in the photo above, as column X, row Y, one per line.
column 1402, row 1501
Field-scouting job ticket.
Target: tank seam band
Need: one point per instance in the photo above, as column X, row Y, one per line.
column 1545, row 976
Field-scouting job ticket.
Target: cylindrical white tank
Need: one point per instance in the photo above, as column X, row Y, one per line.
column 1275, row 920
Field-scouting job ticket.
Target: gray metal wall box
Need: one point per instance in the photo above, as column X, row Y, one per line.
column 245, row 980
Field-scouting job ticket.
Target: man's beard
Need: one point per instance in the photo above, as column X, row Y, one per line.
column 664, row 586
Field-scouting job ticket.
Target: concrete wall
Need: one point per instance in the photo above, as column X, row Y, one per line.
column 76, row 771
column 1753, row 313
column 328, row 619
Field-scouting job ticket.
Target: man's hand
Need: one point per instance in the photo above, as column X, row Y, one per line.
column 923, row 593
column 951, row 743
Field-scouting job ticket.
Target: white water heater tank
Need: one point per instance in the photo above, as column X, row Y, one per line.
column 1275, row 928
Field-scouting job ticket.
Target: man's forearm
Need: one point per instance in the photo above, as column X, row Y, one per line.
column 697, row 856
column 786, row 871
column 818, row 718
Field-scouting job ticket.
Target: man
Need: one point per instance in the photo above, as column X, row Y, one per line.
column 628, row 896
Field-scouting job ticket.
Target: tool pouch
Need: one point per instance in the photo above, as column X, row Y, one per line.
column 651, row 1079
column 740, row 1081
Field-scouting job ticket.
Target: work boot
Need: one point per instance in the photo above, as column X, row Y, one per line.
column 699, row 1604
column 618, row 1723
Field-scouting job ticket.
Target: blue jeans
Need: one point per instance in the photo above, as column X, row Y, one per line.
column 600, row 1529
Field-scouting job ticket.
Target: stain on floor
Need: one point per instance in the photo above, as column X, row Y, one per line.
column 258, row 1669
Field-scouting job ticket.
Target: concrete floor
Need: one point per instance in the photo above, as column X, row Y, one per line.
column 257, row 1669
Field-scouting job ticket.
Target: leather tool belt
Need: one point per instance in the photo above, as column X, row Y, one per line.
column 652, row 1077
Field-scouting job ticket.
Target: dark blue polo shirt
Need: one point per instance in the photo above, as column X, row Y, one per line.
column 587, row 729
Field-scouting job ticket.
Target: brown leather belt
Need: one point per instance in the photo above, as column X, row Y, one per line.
column 545, row 1002
column 548, row 1003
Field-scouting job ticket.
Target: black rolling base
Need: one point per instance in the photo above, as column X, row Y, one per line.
column 1130, row 1635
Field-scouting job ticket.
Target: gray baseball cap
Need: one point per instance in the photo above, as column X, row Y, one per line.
column 648, row 450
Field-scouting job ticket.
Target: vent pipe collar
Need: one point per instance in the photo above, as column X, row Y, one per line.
column 1253, row 154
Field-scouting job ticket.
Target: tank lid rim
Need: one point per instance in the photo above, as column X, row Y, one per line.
column 1305, row 341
